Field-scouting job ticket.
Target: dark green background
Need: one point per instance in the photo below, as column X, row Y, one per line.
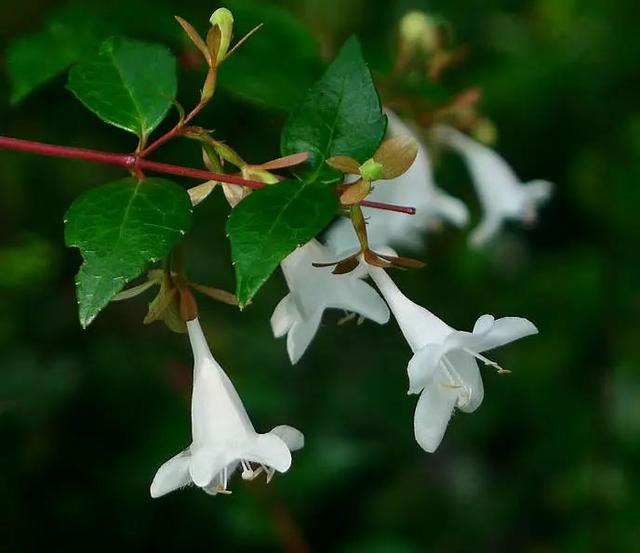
column 550, row 461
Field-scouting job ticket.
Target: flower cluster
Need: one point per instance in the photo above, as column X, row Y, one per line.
column 444, row 369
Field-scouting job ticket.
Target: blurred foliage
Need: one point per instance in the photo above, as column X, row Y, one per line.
column 549, row 462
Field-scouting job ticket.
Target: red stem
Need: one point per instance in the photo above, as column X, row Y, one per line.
column 131, row 162
column 389, row 207
column 173, row 132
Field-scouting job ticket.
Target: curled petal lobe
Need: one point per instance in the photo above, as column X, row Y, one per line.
column 292, row 437
column 485, row 231
column 271, row 451
column 283, row 316
column 538, row 191
column 172, row 475
column 483, row 324
column 450, row 209
column 505, row 330
column 300, row 336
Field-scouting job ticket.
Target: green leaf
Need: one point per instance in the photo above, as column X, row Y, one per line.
column 340, row 115
column 33, row 60
column 119, row 228
column 128, row 84
column 276, row 66
column 269, row 224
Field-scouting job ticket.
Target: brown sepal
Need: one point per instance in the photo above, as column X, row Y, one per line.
column 355, row 193
column 396, row 154
column 344, row 164
column 403, row 262
column 195, row 38
column 215, row 294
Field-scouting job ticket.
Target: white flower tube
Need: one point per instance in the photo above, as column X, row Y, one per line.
column 502, row 195
column 223, row 437
column 444, row 368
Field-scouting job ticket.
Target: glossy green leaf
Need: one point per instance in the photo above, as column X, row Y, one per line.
column 269, row 224
column 340, row 115
column 277, row 65
column 128, row 84
column 34, row 59
column 120, row 228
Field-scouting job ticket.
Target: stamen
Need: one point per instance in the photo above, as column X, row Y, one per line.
column 348, row 317
column 270, row 472
column 257, row 472
column 488, row 362
column 247, row 471
column 455, row 376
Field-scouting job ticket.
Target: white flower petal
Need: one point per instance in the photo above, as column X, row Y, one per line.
column 314, row 289
column 359, row 298
column 485, row 231
column 300, row 336
column 292, row 437
column 538, row 191
column 423, row 366
column 503, row 331
column 205, row 464
column 172, row 475
column 284, row 315
column 341, row 238
column 271, row 451
column 483, row 324
column 433, row 411
column 450, row 208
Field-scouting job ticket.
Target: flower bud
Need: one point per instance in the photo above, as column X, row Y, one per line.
column 418, row 33
column 485, row 131
column 223, row 19
column 371, row 170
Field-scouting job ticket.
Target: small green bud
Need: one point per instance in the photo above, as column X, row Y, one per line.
column 371, row 170
column 485, row 131
column 418, row 33
column 223, row 19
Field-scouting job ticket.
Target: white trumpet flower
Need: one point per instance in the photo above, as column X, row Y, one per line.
column 223, row 438
column 314, row 289
column 502, row 195
column 444, row 368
